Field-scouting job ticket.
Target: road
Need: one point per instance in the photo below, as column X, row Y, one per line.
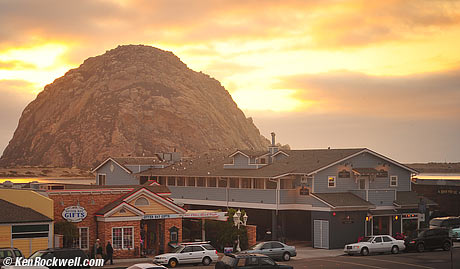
column 426, row 260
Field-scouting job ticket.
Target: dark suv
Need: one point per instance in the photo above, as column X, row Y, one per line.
column 248, row 261
column 430, row 239
column 13, row 253
column 61, row 253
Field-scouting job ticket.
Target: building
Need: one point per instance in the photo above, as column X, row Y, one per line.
column 135, row 219
column 121, row 170
column 440, row 182
column 26, row 220
column 327, row 196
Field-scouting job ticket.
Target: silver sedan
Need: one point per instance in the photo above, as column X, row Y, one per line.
column 273, row 249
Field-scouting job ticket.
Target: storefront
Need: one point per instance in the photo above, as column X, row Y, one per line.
column 137, row 221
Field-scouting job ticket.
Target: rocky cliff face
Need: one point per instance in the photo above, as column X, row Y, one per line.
column 134, row 100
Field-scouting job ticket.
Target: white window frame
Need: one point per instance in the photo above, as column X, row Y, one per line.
column 87, row 237
column 122, row 237
column 335, row 181
column 391, row 181
column 98, row 178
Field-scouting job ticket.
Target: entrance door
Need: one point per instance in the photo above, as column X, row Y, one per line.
column 381, row 225
column 321, row 234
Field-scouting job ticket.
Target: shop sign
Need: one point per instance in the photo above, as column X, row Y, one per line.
column 448, row 191
column 197, row 215
column 74, row 213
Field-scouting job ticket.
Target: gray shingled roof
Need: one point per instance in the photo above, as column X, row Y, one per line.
column 298, row 161
column 11, row 213
column 343, row 199
column 410, row 199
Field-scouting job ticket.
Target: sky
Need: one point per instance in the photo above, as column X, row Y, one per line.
column 378, row 74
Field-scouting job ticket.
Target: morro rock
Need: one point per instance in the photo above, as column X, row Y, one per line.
column 133, row 100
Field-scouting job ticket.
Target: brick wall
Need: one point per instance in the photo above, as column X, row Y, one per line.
column 91, row 202
column 167, row 235
column 252, row 233
column 106, row 233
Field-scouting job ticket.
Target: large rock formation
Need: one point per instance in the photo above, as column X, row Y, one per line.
column 134, row 100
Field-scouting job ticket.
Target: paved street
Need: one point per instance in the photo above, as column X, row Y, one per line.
column 428, row 260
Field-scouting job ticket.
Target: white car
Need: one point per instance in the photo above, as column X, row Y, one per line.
column 375, row 244
column 146, row 266
column 189, row 253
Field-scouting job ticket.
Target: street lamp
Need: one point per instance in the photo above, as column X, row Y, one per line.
column 238, row 222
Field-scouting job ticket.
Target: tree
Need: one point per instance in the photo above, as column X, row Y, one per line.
column 69, row 231
column 225, row 234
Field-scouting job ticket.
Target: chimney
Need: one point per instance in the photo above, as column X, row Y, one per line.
column 273, row 148
column 273, row 139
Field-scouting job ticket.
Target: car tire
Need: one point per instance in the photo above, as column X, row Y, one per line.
column 395, row 250
column 286, row 256
column 446, row 246
column 206, row 261
column 420, row 247
column 172, row 263
column 365, row 251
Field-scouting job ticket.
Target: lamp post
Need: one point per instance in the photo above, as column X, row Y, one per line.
column 238, row 222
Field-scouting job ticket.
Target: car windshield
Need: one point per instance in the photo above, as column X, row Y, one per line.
column 228, row 260
column 367, row 239
column 37, row 254
column 178, row 249
column 436, row 222
column 256, row 246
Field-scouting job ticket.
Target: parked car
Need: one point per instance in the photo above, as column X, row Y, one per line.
column 445, row 222
column 61, row 253
column 248, row 261
column 189, row 253
column 13, row 253
column 146, row 266
column 375, row 244
column 430, row 239
column 273, row 249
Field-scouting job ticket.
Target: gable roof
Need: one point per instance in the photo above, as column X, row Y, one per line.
column 342, row 200
column 12, row 213
column 124, row 161
column 152, row 190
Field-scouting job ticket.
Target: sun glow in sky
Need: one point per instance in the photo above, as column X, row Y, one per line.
column 296, row 61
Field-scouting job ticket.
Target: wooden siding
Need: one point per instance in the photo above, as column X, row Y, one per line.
column 127, row 213
column 153, row 207
column 23, row 245
column 118, row 177
column 39, row 244
column 5, row 236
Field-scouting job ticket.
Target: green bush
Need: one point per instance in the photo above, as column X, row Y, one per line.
column 225, row 234
column 69, row 231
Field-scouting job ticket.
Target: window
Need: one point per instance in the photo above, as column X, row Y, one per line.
column 223, row 182
column 200, row 182
column 187, row 249
column 122, row 237
column 262, row 161
column 251, row 261
column 162, row 180
column 212, row 182
column 191, row 182
column 101, row 179
column 270, row 184
column 180, row 181
column 258, row 183
column 287, row 184
column 209, row 247
column 197, row 248
column 234, row 183
column 386, row 239
column 83, row 233
column 277, row 245
column 246, row 183
column 378, row 239
column 142, row 201
column 171, row 181
column 331, row 182
column 393, row 181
